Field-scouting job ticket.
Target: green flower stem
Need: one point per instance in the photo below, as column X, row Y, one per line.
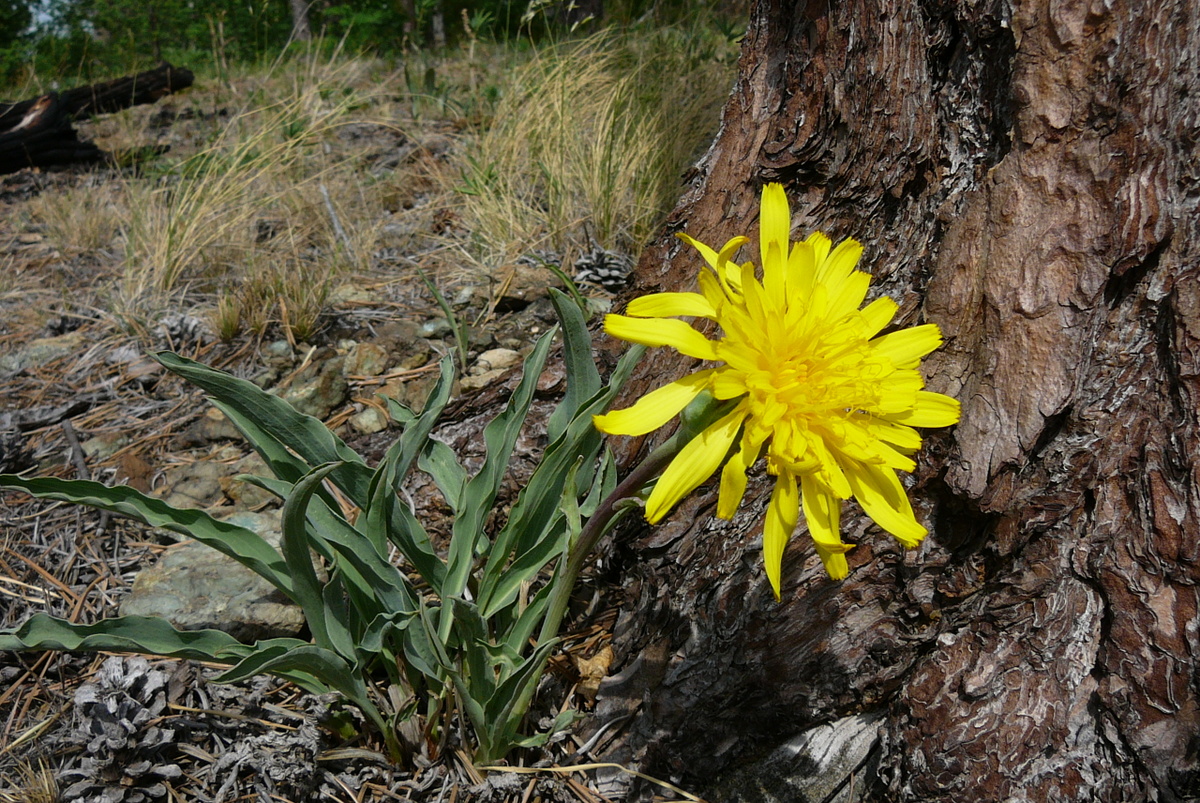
column 607, row 514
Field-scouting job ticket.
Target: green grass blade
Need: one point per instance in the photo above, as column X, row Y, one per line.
column 245, row 546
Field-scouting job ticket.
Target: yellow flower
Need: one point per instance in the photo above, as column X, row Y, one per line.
column 830, row 401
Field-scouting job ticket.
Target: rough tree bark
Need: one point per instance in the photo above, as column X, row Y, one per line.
column 301, row 31
column 1024, row 174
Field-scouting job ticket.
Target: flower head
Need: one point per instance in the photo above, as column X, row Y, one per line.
column 830, row 402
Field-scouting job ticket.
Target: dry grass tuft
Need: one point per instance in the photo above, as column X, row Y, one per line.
column 33, row 785
column 82, row 219
column 589, row 144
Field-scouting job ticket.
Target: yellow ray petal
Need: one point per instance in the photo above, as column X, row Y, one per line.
column 820, row 243
column 655, row 408
column 906, row 347
column 713, row 290
column 878, row 314
column 733, row 476
column 930, row 410
column 661, row 332
column 693, row 465
column 710, row 256
column 898, row 393
column 822, row 513
column 839, row 264
column 667, row 305
column 774, row 223
column 782, row 514
column 802, row 270
column 849, row 296
column 730, row 248
column 882, row 497
column 888, row 431
column 775, row 275
column 729, row 384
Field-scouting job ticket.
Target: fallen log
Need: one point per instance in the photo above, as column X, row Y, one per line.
column 38, row 132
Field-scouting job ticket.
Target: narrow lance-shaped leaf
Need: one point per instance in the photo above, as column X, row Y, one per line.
column 327, row 631
column 324, row 665
column 386, row 517
column 438, row 460
column 244, row 546
column 146, row 634
column 472, row 635
column 583, row 380
column 532, row 517
column 499, row 437
column 564, row 528
column 303, row 434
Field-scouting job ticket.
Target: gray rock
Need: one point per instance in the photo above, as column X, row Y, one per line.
column 366, row 359
column 349, row 295
column 320, row 387
column 43, row 349
column 369, row 421
column 464, row 295
column 528, row 284
column 244, row 494
column 196, row 587
column 481, row 380
column 435, row 328
column 278, row 354
column 101, row 447
column 197, row 484
column 494, row 359
column 211, row 427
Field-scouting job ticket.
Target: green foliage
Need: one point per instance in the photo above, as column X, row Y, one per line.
column 16, row 17
column 81, row 41
column 452, row 624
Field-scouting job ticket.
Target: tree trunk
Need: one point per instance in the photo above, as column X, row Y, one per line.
column 1023, row 174
column 301, row 31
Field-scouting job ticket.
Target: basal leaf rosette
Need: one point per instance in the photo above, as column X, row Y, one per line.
column 830, row 402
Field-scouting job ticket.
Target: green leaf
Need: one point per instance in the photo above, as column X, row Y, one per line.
column 147, row 634
column 603, row 484
column 246, row 403
column 415, row 435
column 530, row 619
column 387, row 587
column 583, row 380
column 499, row 436
column 326, row 666
column 386, row 517
column 497, row 724
column 536, row 509
column 561, row 722
column 327, row 631
column 390, row 519
column 243, row 545
column 438, row 460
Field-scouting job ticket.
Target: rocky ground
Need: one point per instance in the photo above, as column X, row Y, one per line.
column 80, row 398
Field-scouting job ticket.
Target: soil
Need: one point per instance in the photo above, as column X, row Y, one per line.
column 88, row 404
